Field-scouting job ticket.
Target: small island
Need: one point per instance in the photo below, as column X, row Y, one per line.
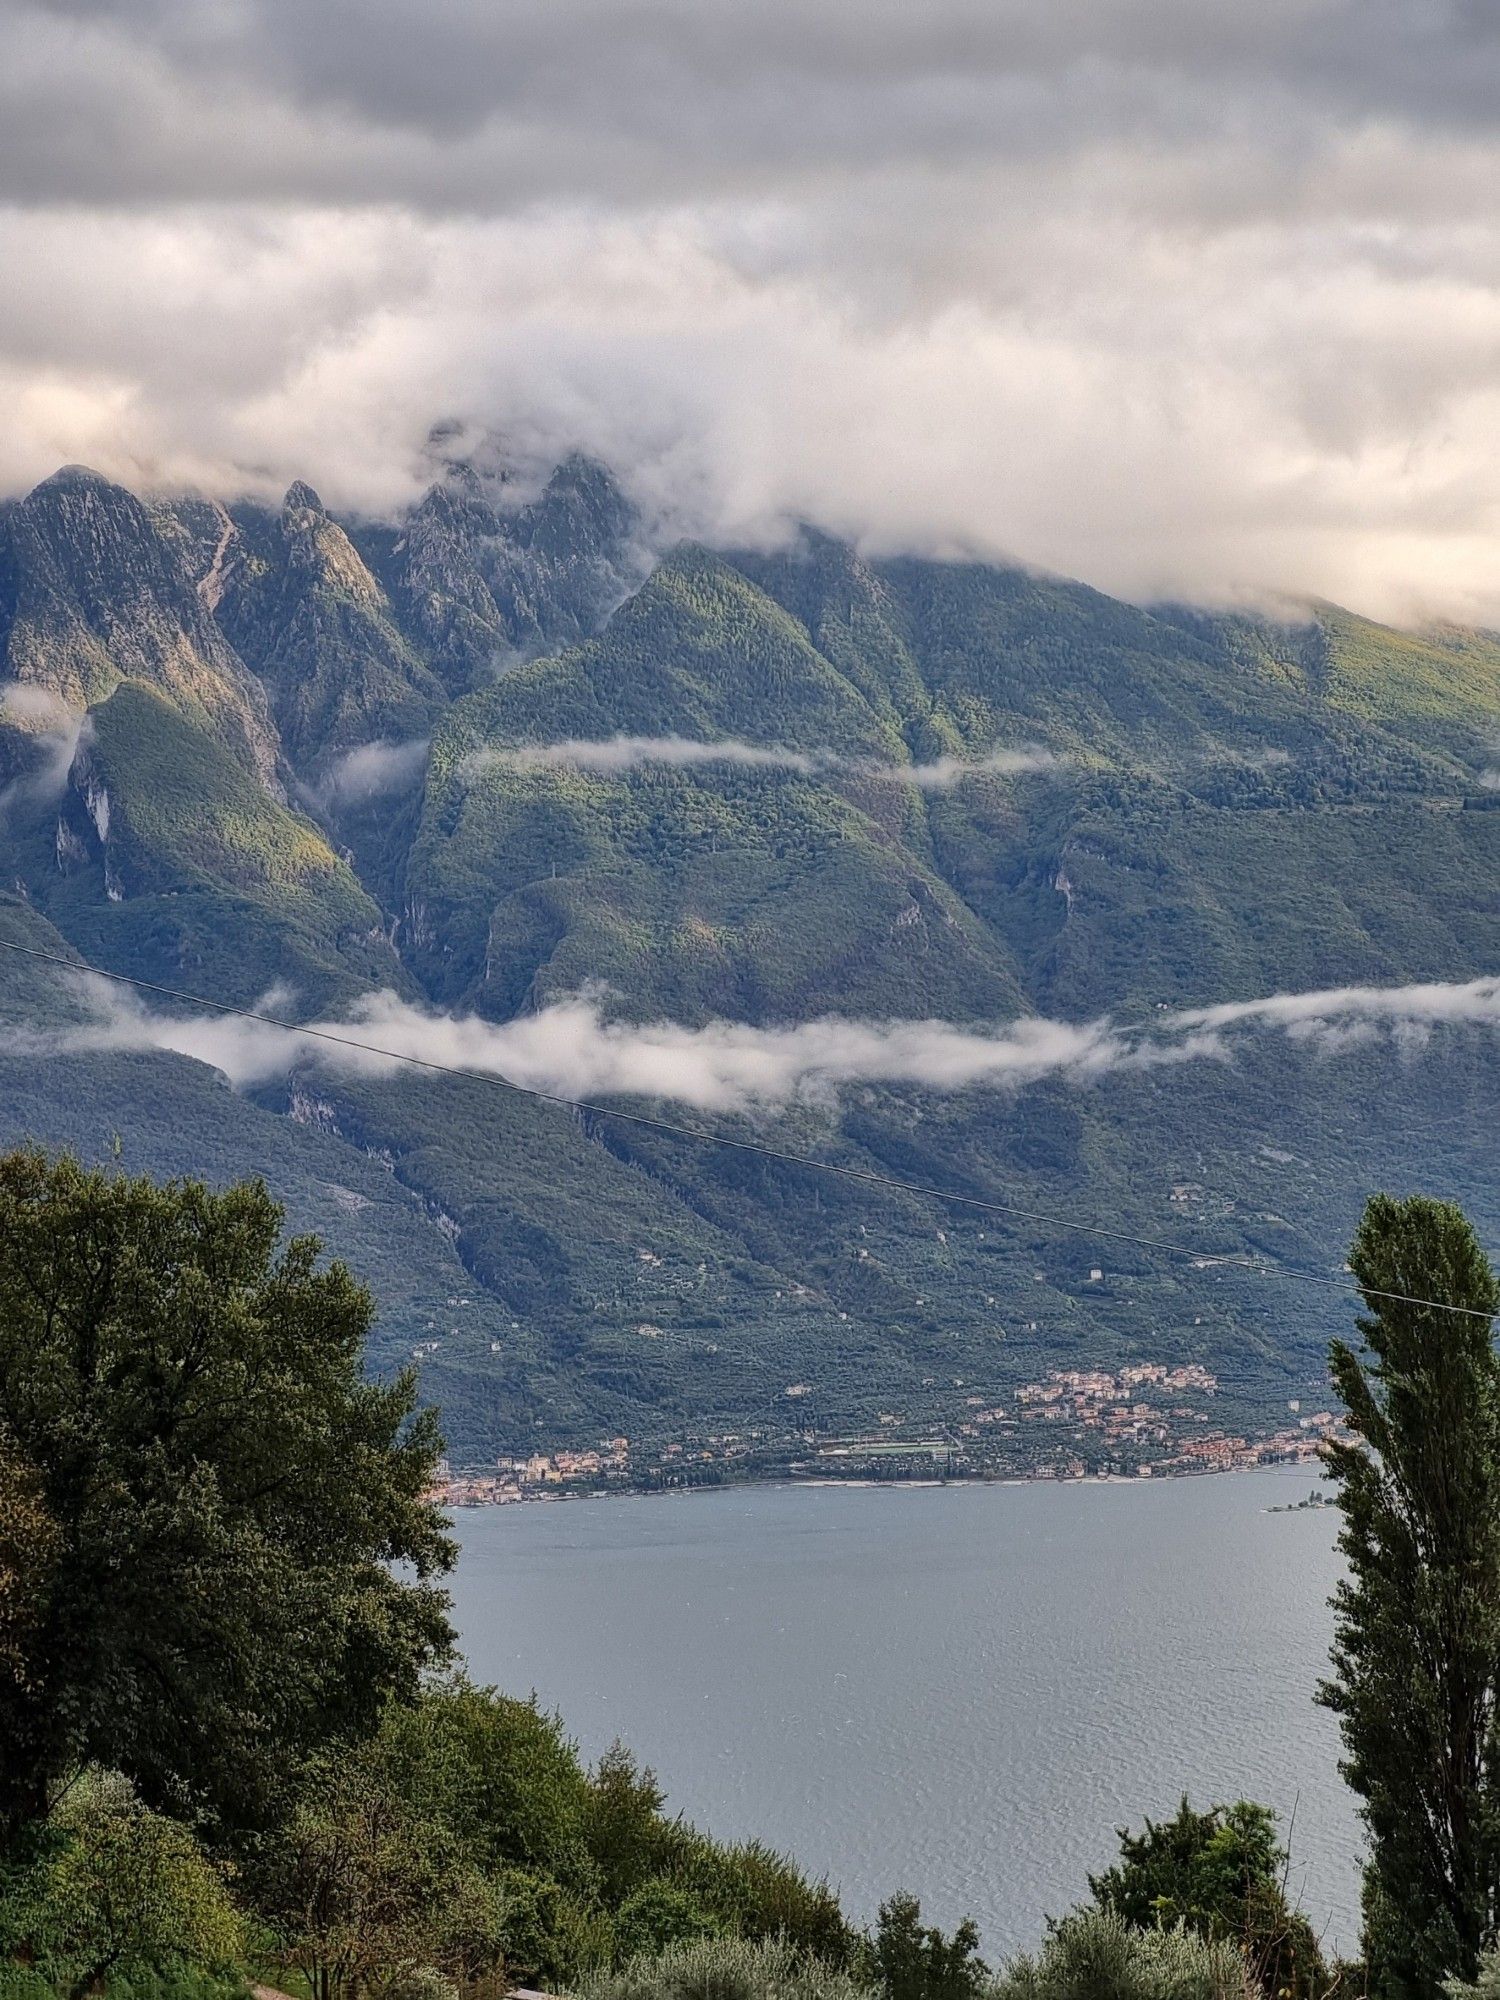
column 1314, row 1499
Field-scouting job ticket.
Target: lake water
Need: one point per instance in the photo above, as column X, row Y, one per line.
column 962, row 1690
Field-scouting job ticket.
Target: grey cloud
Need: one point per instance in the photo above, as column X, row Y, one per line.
column 571, row 1050
column 477, row 106
column 1185, row 297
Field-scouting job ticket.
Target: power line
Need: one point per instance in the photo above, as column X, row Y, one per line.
column 863, row 1175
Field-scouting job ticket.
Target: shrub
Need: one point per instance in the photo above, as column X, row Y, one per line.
column 758, row 1893
column 1219, row 1873
column 658, row 1914
column 726, row 1969
column 120, row 1894
column 1095, row 1955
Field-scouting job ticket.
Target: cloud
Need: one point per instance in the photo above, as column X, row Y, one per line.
column 1341, row 1016
column 570, row 1049
column 608, row 756
column 54, row 731
column 373, row 770
column 1180, row 296
column 946, row 772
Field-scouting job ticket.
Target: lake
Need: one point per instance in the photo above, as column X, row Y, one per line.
column 962, row 1689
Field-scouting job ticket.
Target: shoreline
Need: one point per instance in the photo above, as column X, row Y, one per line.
column 622, row 1491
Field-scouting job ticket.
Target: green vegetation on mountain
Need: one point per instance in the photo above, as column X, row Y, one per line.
column 172, row 861
column 1232, row 807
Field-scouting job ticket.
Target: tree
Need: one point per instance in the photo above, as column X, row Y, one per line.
column 224, row 1494
column 369, row 1891
column 914, row 1961
column 29, row 1544
column 120, row 1892
column 1218, row 1873
column 1416, row 1652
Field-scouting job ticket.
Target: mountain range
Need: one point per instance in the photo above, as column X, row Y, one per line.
column 949, row 872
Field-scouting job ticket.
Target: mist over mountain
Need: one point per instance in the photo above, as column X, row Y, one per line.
column 951, row 873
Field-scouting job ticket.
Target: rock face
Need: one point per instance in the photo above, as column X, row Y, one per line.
column 94, row 594
column 303, row 610
column 483, row 587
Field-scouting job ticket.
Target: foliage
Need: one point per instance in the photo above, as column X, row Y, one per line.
column 119, row 1893
column 226, row 1489
column 1416, row 1657
column 467, row 1836
column 1485, row 1985
column 1096, row 1955
column 366, row 1890
column 657, row 1914
column 755, row 1892
column 1221, row 1874
column 30, row 1544
column 914, row 1961
column 727, row 1969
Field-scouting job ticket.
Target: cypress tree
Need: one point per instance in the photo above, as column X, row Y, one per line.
column 1416, row 1653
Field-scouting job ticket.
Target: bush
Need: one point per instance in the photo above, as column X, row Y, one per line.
column 548, row 1937
column 726, row 1969
column 757, row 1893
column 657, row 1915
column 1218, row 1873
column 1486, row 1982
column 1095, row 1955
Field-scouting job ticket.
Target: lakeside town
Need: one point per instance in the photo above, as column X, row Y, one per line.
column 1146, row 1420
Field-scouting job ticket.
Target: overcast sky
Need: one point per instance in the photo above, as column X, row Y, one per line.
column 1191, row 296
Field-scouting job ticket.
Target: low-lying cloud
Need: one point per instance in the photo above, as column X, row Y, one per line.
column 372, row 771
column 613, row 754
column 54, row 731
column 610, row 756
column 572, row 1050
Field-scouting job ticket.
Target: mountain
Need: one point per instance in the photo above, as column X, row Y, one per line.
column 306, row 615
column 462, row 758
column 91, row 594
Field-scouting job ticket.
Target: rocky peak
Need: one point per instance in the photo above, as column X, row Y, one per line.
column 301, row 498
column 100, row 593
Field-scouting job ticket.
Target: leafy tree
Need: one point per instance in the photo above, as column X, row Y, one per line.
column 758, row 1893
column 628, row 1834
column 1417, row 1640
column 1219, row 1873
column 499, row 1774
column 369, row 1894
column 183, row 1406
column 1096, row 1955
column 121, row 1892
column 914, row 1961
